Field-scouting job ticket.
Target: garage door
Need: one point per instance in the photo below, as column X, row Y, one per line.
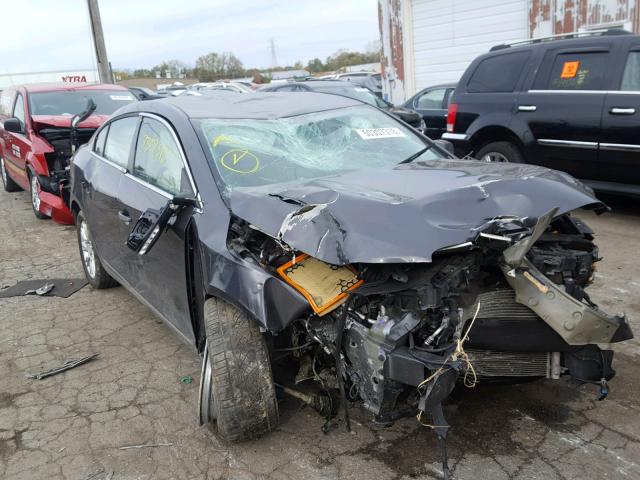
column 449, row 34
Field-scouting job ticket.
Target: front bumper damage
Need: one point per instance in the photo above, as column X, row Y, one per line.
column 54, row 197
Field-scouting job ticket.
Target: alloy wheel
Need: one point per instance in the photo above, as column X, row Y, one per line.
column 35, row 198
column 206, row 403
column 495, row 157
column 88, row 253
column 4, row 172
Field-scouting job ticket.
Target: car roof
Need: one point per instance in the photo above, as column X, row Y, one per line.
column 261, row 105
column 329, row 83
column 60, row 87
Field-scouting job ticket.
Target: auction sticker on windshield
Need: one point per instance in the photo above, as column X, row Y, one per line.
column 122, row 98
column 372, row 133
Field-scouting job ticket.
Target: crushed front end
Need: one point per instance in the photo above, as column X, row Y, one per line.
column 508, row 305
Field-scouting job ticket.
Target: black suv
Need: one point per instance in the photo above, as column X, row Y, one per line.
column 572, row 104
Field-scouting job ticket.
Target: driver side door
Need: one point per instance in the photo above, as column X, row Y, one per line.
column 158, row 171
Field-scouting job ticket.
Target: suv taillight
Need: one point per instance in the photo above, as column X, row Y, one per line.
column 451, row 117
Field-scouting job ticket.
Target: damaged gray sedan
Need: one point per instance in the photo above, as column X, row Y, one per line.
column 311, row 245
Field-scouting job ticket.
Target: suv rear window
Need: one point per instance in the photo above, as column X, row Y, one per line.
column 499, row 73
column 631, row 78
column 577, row 71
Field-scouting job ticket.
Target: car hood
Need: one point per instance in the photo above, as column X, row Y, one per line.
column 64, row 121
column 405, row 213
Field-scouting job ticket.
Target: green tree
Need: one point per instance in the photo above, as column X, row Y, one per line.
column 216, row 66
column 315, row 65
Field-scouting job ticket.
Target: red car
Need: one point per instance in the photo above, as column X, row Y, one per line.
column 38, row 136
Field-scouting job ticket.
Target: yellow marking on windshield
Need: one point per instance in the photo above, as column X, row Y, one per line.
column 221, row 138
column 240, row 161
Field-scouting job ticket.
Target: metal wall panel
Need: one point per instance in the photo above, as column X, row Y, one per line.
column 449, row 34
column 551, row 17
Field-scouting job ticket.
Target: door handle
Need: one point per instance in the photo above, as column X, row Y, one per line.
column 124, row 216
column 622, row 111
column 527, row 108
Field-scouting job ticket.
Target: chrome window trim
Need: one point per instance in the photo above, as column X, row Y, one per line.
column 620, row 147
column 182, row 156
column 109, row 162
column 150, row 186
column 590, row 92
column 567, row 143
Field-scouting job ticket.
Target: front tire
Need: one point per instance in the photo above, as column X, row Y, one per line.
column 500, row 152
column 7, row 182
column 93, row 269
column 34, row 191
column 236, row 390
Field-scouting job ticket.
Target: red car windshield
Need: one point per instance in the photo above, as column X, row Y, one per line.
column 74, row 102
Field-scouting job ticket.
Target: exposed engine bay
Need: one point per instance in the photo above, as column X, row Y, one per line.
column 509, row 305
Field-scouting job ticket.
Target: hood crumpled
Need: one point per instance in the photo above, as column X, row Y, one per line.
column 406, row 213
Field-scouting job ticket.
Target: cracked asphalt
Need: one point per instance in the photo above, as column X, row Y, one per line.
column 73, row 425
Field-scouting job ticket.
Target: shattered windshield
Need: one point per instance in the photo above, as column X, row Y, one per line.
column 74, row 102
column 250, row 152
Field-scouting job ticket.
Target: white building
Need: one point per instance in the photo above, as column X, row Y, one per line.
column 428, row 42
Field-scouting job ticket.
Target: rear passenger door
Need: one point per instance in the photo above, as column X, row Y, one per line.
column 158, row 171
column 103, row 173
column 432, row 105
column 619, row 158
column 561, row 112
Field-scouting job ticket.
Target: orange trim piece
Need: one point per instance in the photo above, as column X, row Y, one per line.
column 320, row 310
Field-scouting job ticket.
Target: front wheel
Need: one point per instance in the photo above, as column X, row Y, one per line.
column 35, row 197
column 500, row 152
column 237, row 392
column 93, row 269
column 7, row 182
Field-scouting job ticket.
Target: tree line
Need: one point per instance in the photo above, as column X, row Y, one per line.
column 217, row 66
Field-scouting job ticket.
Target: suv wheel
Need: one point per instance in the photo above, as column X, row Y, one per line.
column 34, row 190
column 236, row 386
column 7, row 182
column 500, row 152
column 93, row 269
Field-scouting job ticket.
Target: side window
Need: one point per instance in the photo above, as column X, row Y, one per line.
column 631, row 77
column 578, row 71
column 158, row 160
column 5, row 103
column 499, row 73
column 432, row 100
column 288, row 88
column 119, row 139
column 18, row 110
column 98, row 146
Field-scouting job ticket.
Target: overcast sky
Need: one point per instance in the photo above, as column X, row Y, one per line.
column 44, row 35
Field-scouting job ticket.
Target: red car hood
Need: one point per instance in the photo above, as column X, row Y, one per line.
column 64, row 121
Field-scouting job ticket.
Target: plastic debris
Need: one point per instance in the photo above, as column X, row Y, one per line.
column 43, row 290
column 63, row 368
column 186, row 379
column 148, row 445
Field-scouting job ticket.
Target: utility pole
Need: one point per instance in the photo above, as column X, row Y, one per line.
column 104, row 72
column 274, row 58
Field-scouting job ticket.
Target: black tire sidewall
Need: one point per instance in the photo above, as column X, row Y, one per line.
column 506, row 148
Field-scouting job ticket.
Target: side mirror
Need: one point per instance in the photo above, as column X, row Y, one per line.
column 445, row 145
column 152, row 223
column 13, row 125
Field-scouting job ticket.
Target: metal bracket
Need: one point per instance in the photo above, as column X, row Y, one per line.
column 576, row 322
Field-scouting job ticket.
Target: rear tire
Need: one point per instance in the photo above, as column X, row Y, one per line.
column 7, row 182
column 93, row 269
column 242, row 397
column 500, row 152
column 34, row 189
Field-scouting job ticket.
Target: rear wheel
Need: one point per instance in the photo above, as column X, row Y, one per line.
column 7, row 182
column 236, row 388
column 35, row 198
column 93, row 269
column 500, row 152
